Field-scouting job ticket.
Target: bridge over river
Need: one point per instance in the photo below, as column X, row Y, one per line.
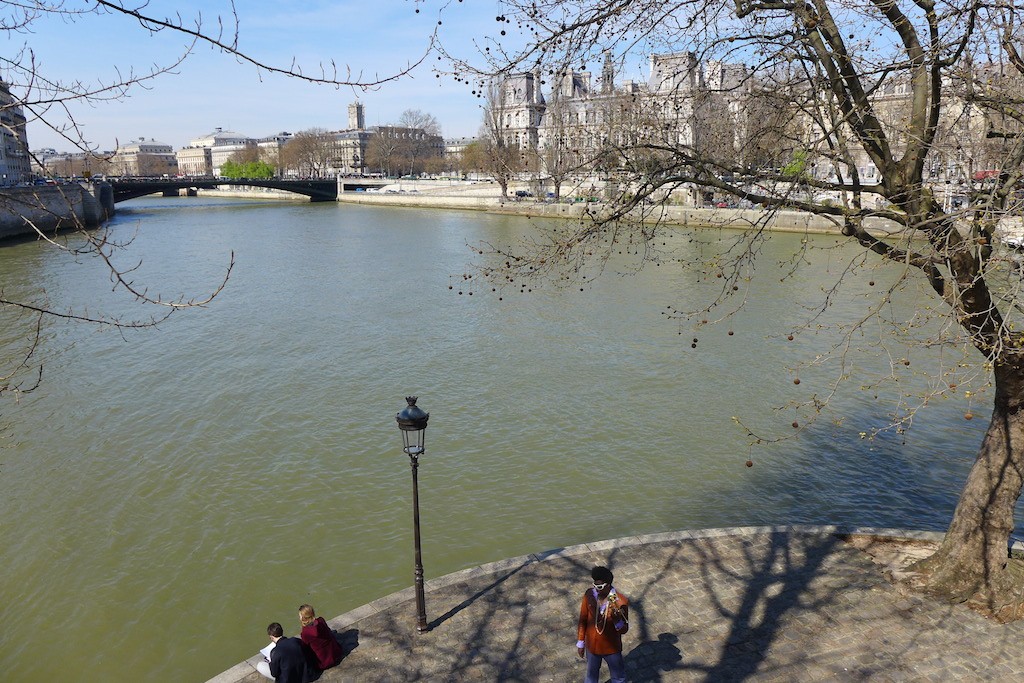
column 318, row 190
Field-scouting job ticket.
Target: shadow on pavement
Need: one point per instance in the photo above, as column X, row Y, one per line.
column 473, row 598
column 769, row 604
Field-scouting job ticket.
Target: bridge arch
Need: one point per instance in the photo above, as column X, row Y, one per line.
column 318, row 190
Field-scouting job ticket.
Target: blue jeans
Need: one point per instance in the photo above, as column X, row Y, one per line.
column 616, row 667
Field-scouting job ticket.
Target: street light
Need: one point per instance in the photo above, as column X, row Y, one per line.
column 413, row 423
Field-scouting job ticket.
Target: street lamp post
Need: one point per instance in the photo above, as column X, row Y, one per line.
column 412, row 421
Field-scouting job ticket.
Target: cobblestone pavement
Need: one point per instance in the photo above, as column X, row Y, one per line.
column 727, row 605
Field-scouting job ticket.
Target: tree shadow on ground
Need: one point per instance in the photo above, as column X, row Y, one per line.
column 520, row 624
column 735, row 593
column 777, row 603
column 775, row 584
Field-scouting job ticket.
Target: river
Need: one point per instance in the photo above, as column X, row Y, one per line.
column 168, row 492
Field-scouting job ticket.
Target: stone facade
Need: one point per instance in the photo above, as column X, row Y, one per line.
column 226, row 144
column 145, row 158
column 206, row 154
column 577, row 125
column 15, row 165
column 270, row 150
column 351, row 148
column 48, row 162
column 195, row 161
column 725, row 112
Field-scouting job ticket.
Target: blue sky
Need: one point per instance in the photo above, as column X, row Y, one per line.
column 212, row 89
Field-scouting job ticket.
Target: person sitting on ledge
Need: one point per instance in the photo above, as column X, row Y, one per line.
column 319, row 637
column 290, row 660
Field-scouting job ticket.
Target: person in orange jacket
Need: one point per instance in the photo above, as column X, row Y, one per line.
column 604, row 617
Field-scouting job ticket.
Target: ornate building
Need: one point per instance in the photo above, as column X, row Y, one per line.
column 581, row 127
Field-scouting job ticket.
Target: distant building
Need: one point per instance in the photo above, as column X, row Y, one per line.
column 577, row 117
column 39, row 157
column 15, row 165
column 356, row 116
column 227, row 145
column 453, row 146
column 357, row 150
column 270, row 150
column 145, row 158
column 397, row 150
column 50, row 162
column 352, row 149
column 349, row 155
column 206, row 154
column 194, row 161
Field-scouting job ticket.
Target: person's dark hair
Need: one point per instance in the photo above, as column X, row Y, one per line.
column 602, row 574
column 275, row 630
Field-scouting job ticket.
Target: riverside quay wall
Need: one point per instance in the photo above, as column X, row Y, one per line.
column 26, row 211
column 491, row 202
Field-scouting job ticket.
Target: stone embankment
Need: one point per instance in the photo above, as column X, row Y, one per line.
column 486, row 196
column 771, row 604
column 242, row 192
column 52, row 208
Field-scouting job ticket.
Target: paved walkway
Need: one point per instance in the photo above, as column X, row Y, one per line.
column 786, row 604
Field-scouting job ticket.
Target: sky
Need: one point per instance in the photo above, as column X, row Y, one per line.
column 212, row 89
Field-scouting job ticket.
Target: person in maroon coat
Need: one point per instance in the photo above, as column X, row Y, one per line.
column 319, row 637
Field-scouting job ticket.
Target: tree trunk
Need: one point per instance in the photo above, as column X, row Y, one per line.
column 971, row 563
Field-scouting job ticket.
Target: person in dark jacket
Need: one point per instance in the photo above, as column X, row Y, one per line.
column 290, row 660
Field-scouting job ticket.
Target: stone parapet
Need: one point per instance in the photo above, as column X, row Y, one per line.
column 52, row 208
